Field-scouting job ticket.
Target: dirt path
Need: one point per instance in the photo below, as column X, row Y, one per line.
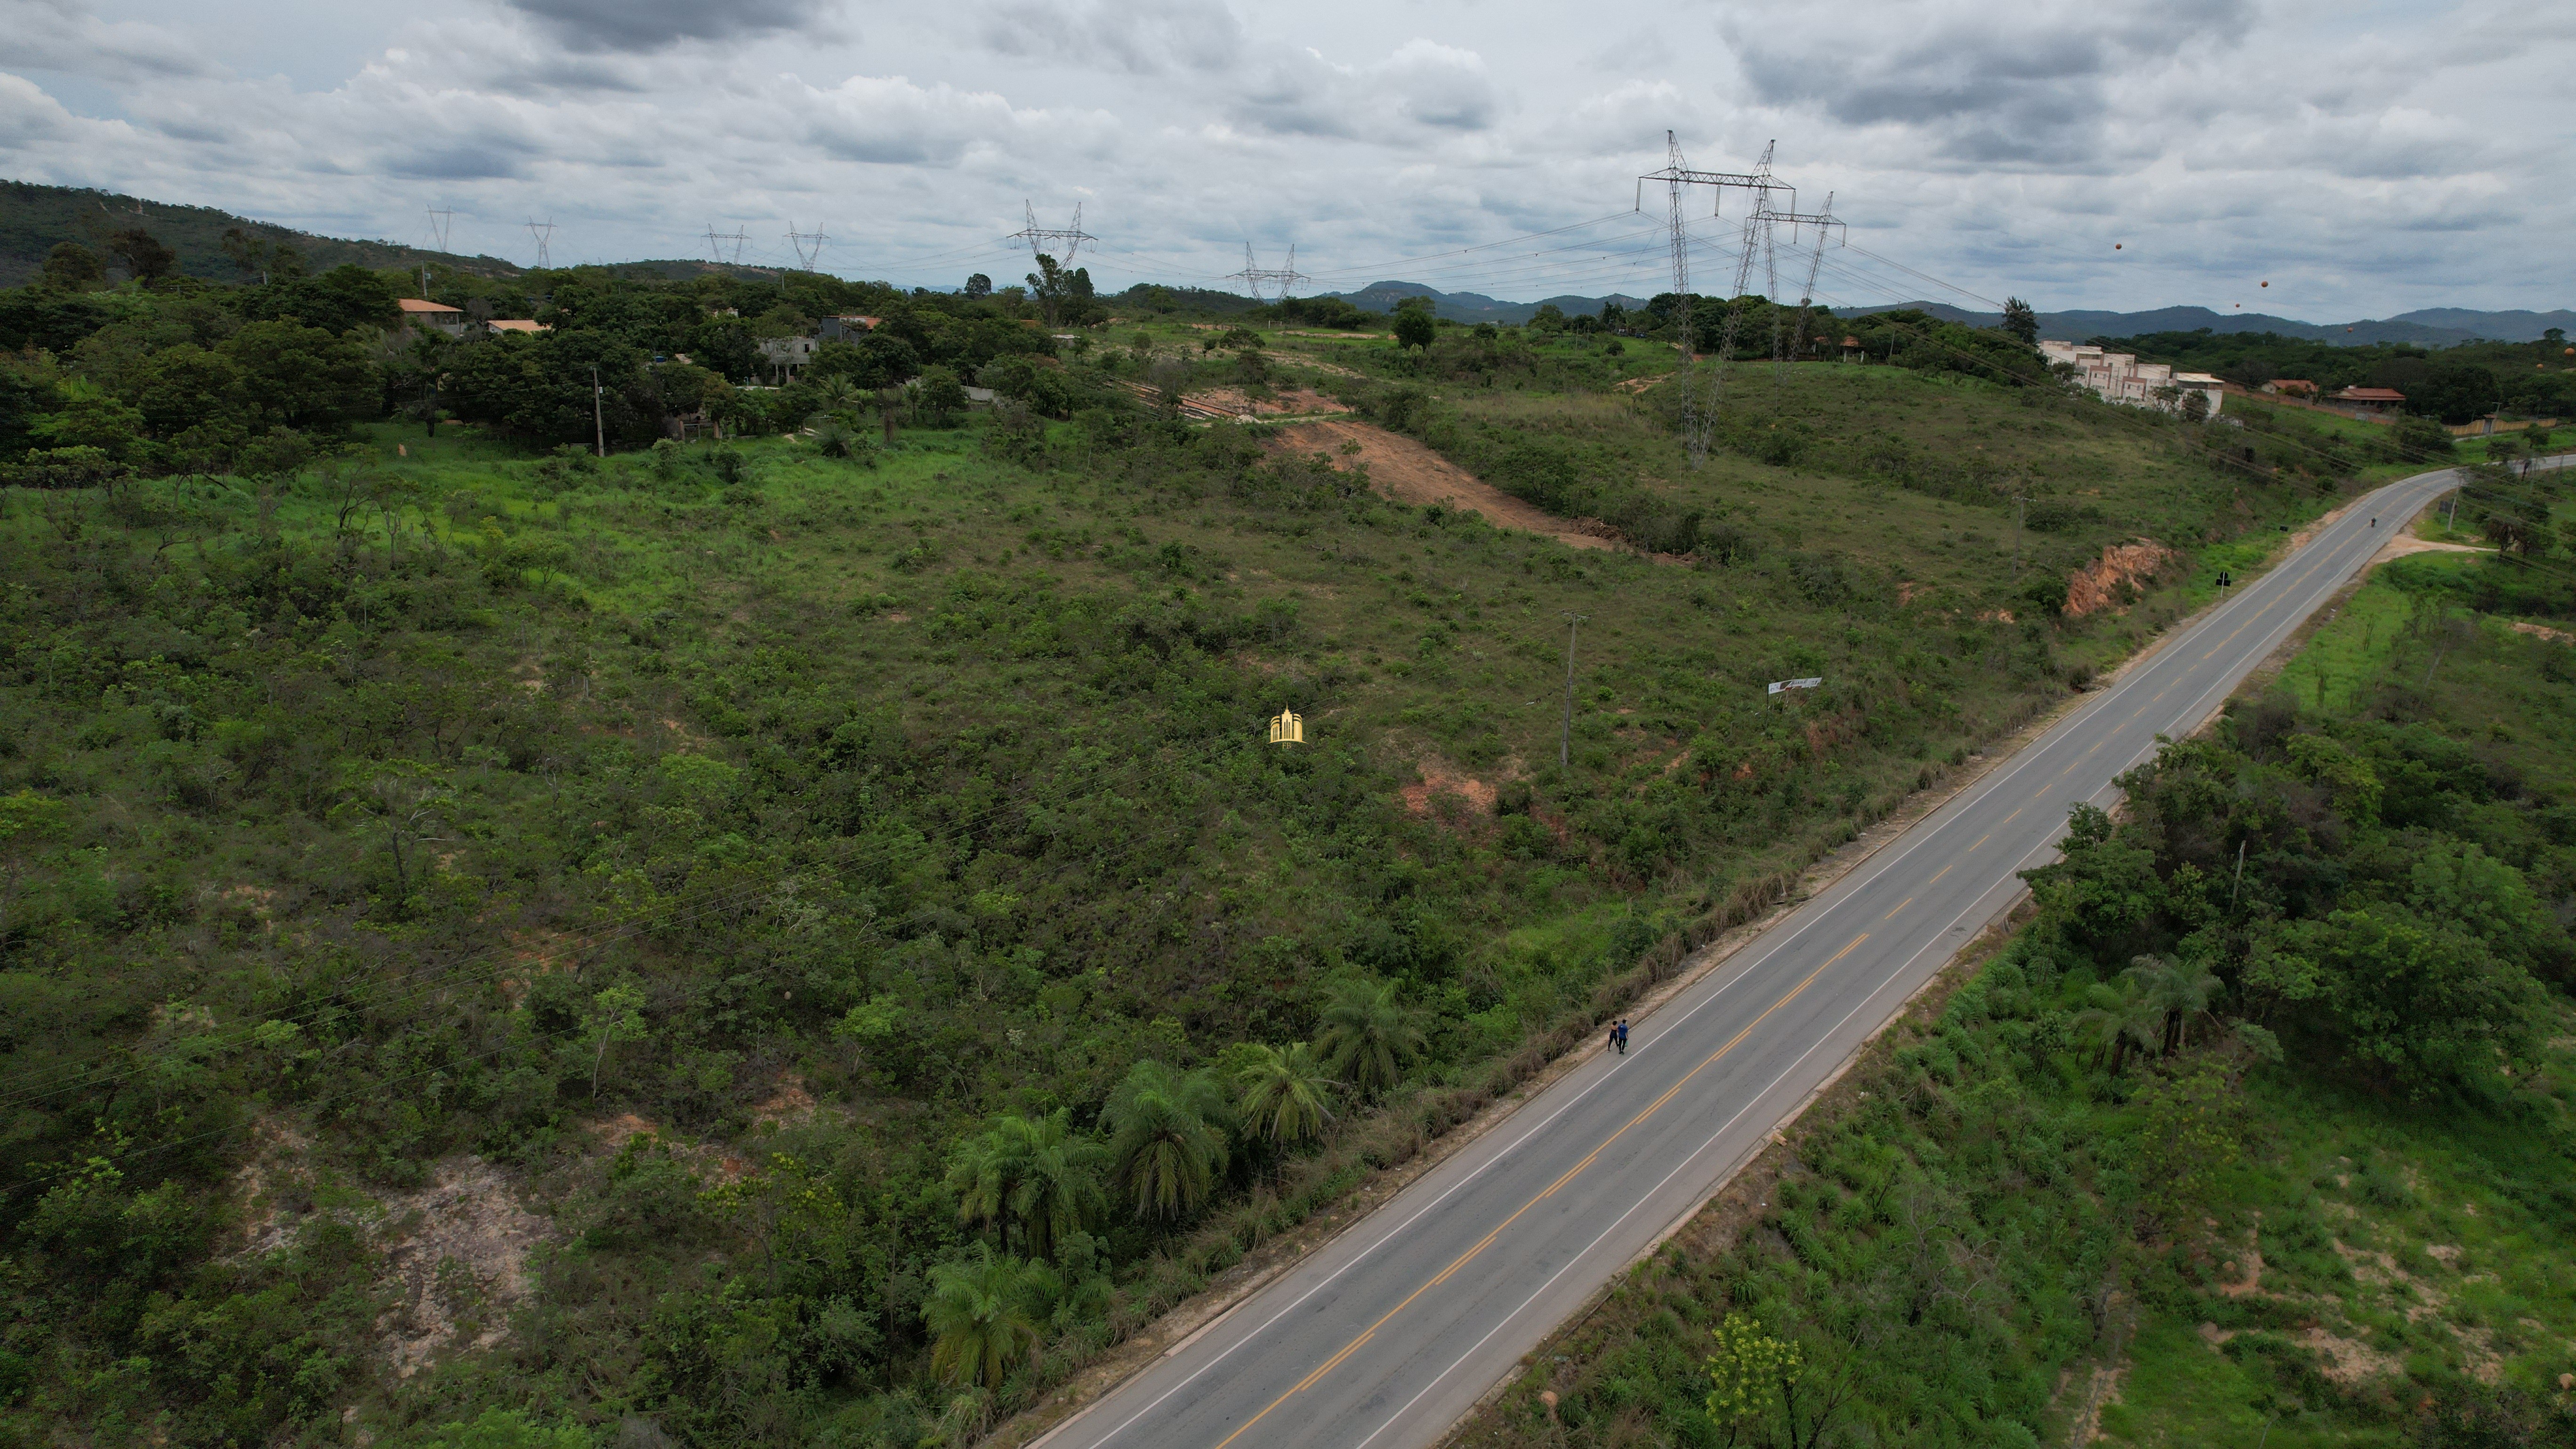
column 2401, row 544
column 1407, row 471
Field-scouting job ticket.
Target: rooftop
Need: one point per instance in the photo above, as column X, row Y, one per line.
column 415, row 307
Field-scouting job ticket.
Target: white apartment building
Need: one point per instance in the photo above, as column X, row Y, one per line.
column 2121, row 378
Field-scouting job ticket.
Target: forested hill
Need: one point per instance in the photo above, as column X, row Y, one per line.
column 34, row 219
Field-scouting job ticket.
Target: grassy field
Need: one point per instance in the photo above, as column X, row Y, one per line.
column 676, row 859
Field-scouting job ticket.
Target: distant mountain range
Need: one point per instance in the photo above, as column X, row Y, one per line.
column 2432, row 326
column 1474, row 306
column 33, row 218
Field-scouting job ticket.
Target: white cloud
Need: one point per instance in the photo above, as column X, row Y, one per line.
column 2366, row 163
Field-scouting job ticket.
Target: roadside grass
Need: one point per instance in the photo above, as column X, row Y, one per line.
column 2348, row 655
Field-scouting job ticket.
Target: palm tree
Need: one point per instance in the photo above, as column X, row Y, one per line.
column 984, row 1171
column 2120, row 1019
column 1365, row 1038
column 1167, row 1136
column 980, row 1313
column 1037, row 1172
column 2175, row 990
column 836, row 395
column 1286, row 1094
column 1059, row 1182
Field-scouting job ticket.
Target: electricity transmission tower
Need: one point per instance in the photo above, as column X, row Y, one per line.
column 809, row 249
column 1699, row 395
column 439, row 222
column 724, row 248
column 1255, row 276
column 1825, row 225
column 544, row 232
column 1048, row 240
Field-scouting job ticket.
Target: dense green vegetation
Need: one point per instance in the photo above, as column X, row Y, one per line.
column 825, row 902
column 2263, row 1126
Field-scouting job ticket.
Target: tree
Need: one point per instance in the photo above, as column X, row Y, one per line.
column 978, row 286
column 982, row 1315
column 2119, row 1019
column 405, row 798
column 2021, row 321
column 249, row 253
column 1166, row 1136
column 303, row 376
column 615, row 1015
column 2175, row 991
column 71, row 267
column 1286, row 1095
column 2417, row 997
column 1415, row 326
column 1365, row 1038
column 939, row 397
column 1036, row 1172
column 1747, row 1376
column 1051, row 285
column 145, row 258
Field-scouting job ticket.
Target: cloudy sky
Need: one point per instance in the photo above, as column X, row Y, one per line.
column 2363, row 158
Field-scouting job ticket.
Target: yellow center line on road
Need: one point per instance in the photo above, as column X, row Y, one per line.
column 1982, row 839
column 1900, row 905
column 1945, row 870
column 1352, row 1347
column 2009, row 819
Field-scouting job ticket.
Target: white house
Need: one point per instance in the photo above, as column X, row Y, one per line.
column 2121, row 378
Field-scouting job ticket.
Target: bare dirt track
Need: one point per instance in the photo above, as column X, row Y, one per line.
column 1407, row 471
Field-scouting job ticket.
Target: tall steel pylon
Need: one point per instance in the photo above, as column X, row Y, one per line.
column 1825, row 225
column 1699, row 391
column 809, row 246
column 724, row 248
column 544, row 232
column 1043, row 240
column 1255, row 276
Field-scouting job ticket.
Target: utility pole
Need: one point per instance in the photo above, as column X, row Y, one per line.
column 544, row 232
column 1565, row 742
column 598, row 421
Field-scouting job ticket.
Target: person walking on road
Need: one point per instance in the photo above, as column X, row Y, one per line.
column 1619, row 1036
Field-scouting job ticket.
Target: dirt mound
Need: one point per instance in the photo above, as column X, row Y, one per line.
column 457, row 1253
column 1477, row 795
column 1407, row 471
column 2097, row 585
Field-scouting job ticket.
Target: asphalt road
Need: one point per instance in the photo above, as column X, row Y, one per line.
column 1384, row 1337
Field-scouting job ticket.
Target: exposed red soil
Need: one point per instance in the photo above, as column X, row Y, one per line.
column 1407, row 471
